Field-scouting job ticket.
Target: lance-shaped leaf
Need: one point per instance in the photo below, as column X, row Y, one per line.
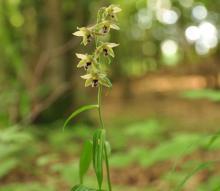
column 98, row 148
column 82, row 188
column 78, row 111
column 85, row 160
column 200, row 167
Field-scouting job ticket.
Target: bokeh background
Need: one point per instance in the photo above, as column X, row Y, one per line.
column 162, row 114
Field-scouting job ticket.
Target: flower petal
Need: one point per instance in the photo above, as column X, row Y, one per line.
column 85, row 40
column 114, row 26
column 116, row 8
column 81, row 63
column 111, row 52
column 88, row 82
column 79, row 33
column 87, row 76
column 81, row 56
column 112, row 45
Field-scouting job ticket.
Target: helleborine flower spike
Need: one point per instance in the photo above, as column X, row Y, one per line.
column 92, row 63
column 96, row 151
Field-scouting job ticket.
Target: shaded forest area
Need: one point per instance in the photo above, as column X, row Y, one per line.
column 161, row 113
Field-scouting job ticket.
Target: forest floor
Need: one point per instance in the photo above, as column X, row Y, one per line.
column 153, row 130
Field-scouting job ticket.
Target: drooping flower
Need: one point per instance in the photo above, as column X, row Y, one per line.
column 111, row 12
column 106, row 49
column 85, row 33
column 105, row 26
column 95, row 71
column 86, row 61
column 94, row 79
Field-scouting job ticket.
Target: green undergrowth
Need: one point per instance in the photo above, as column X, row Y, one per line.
column 209, row 94
column 54, row 153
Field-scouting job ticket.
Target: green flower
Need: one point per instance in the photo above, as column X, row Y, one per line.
column 86, row 33
column 111, row 12
column 86, row 61
column 106, row 49
column 94, row 79
column 113, row 9
column 105, row 26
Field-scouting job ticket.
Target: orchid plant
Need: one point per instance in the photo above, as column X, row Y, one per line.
column 98, row 149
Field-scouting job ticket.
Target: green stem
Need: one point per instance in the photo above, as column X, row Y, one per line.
column 102, row 126
column 100, row 104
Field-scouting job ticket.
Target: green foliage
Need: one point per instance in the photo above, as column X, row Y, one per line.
column 98, row 149
column 7, row 165
column 77, row 112
column 26, row 187
column 194, row 171
column 212, row 95
column 108, row 148
column 81, row 188
column 66, row 170
column 149, row 130
column 213, row 139
column 211, row 184
column 178, row 146
column 13, row 142
column 85, row 159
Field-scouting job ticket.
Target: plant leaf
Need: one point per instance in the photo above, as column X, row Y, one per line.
column 85, row 159
column 78, row 111
column 213, row 139
column 98, row 148
column 194, row 171
column 82, row 188
column 108, row 148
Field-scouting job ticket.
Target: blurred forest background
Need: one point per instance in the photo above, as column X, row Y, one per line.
column 162, row 113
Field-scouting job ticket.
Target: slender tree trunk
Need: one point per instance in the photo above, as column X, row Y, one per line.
column 54, row 39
